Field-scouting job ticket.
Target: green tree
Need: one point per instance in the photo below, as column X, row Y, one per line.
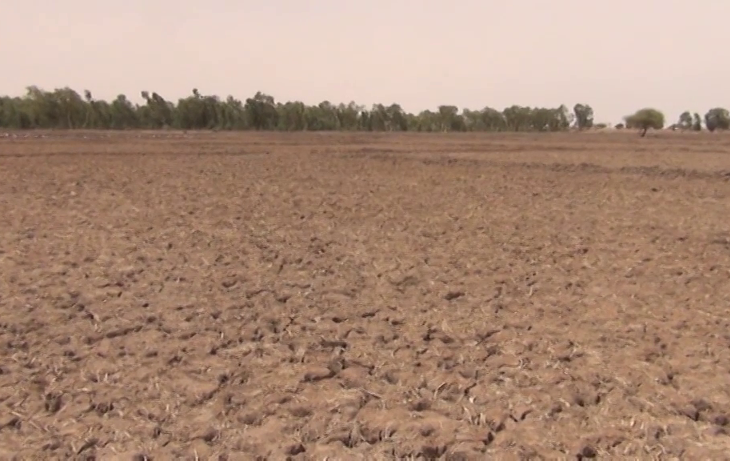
column 379, row 119
column 157, row 113
column 685, row 120
column 645, row 119
column 124, row 114
column 261, row 112
column 64, row 108
column 696, row 122
column 493, row 119
column 292, row 116
column 717, row 119
column 348, row 116
column 397, row 120
column 583, row 116
column 449, row 119
column 516, row 118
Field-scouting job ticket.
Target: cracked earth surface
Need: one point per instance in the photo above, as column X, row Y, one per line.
column 275, row 296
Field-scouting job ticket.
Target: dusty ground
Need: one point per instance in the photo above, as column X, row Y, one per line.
column 229, row 296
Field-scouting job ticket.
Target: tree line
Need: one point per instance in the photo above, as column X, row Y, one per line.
column 64, row 108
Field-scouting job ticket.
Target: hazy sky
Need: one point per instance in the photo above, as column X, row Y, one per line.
column 617, row 55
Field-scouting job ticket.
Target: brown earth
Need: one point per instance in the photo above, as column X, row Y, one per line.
column 357, row 296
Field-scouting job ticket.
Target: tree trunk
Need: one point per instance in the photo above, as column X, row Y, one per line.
column 643, row 132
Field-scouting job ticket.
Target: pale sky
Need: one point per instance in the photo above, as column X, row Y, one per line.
column 616, row 55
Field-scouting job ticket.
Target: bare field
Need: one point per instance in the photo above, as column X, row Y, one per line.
column 364, row 296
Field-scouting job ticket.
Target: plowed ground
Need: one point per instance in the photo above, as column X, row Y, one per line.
column 264, row 296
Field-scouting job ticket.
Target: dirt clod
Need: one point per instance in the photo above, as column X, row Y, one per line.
column 317, row 374
column 53, row 402
column 586, row 452
column 295, row 449
column 451, row 295
column 720, row 420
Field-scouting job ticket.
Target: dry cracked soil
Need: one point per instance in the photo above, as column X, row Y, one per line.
column 364, row 296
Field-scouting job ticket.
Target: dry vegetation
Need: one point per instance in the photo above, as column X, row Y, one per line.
column 364, row 296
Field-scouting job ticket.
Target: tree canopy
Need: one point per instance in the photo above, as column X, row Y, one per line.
column 64, row 108
column 717, row 119
column 645, row 119
column 583, row 116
